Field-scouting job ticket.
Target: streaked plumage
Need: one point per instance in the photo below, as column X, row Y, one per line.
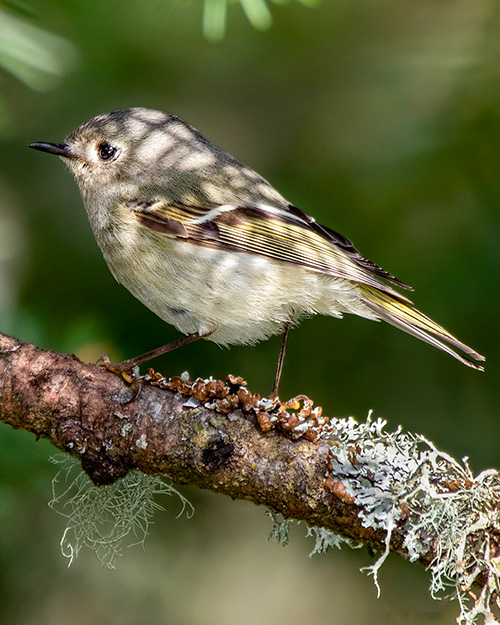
column 212, row 247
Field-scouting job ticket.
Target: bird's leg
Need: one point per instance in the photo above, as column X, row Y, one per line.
column 294, row 403
column 125, row 369
column 128, row 365
column 274, row 395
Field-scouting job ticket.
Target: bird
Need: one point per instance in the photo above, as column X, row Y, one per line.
column 213, row 248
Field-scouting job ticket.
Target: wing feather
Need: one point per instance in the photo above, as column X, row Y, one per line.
column 288, row 236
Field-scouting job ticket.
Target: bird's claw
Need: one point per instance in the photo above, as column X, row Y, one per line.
column 291, row 404
column 129, row 375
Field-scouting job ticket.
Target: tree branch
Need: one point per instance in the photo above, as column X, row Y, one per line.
column 82, row 409
column 392, row 491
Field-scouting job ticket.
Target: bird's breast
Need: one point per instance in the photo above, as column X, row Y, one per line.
column 240, row 297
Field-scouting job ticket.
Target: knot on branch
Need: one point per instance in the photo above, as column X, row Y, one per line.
column 102, row 469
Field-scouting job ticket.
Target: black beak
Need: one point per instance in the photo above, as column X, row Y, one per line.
column 60, row 149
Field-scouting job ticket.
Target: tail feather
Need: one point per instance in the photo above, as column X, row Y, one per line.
column 403, row 315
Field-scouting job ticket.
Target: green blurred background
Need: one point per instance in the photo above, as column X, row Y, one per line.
column 382, row 120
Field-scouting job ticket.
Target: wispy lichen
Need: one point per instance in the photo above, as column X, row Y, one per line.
column 324, row 539
column 280, row 530
column 106, row 518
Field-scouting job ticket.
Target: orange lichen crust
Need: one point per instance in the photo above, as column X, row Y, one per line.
column 338, row 489
column 224, row 397
column 296, row 417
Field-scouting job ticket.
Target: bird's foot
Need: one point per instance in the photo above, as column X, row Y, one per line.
column 274, row 405
column 294, row 404
column 296, row 417
column 130, row 375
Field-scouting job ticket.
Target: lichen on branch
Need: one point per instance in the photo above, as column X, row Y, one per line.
column 392, row 491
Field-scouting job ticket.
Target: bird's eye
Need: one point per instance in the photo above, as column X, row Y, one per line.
column 106, row 151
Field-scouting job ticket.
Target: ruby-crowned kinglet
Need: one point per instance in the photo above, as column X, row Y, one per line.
column 212, row 248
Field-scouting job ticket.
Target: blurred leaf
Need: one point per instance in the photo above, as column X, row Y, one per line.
column 257, row 12
column 214, row 19
column 33, row 55
column 307, row 3
column 19, row 8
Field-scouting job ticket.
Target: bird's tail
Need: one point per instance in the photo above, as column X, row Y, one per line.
column 402, row 314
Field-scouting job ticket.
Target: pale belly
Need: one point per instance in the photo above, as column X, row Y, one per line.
column 239, row 297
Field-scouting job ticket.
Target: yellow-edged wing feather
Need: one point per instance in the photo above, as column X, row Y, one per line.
column 290, row 236
column 277, row 234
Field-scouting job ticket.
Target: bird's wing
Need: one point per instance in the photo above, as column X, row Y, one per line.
column 286, row 235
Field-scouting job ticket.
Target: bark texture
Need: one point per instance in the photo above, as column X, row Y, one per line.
column 391, row 491
column 82, row 409
column 218, row 444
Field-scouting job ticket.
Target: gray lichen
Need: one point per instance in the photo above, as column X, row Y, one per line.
column 403, row 483
column 399, row 483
